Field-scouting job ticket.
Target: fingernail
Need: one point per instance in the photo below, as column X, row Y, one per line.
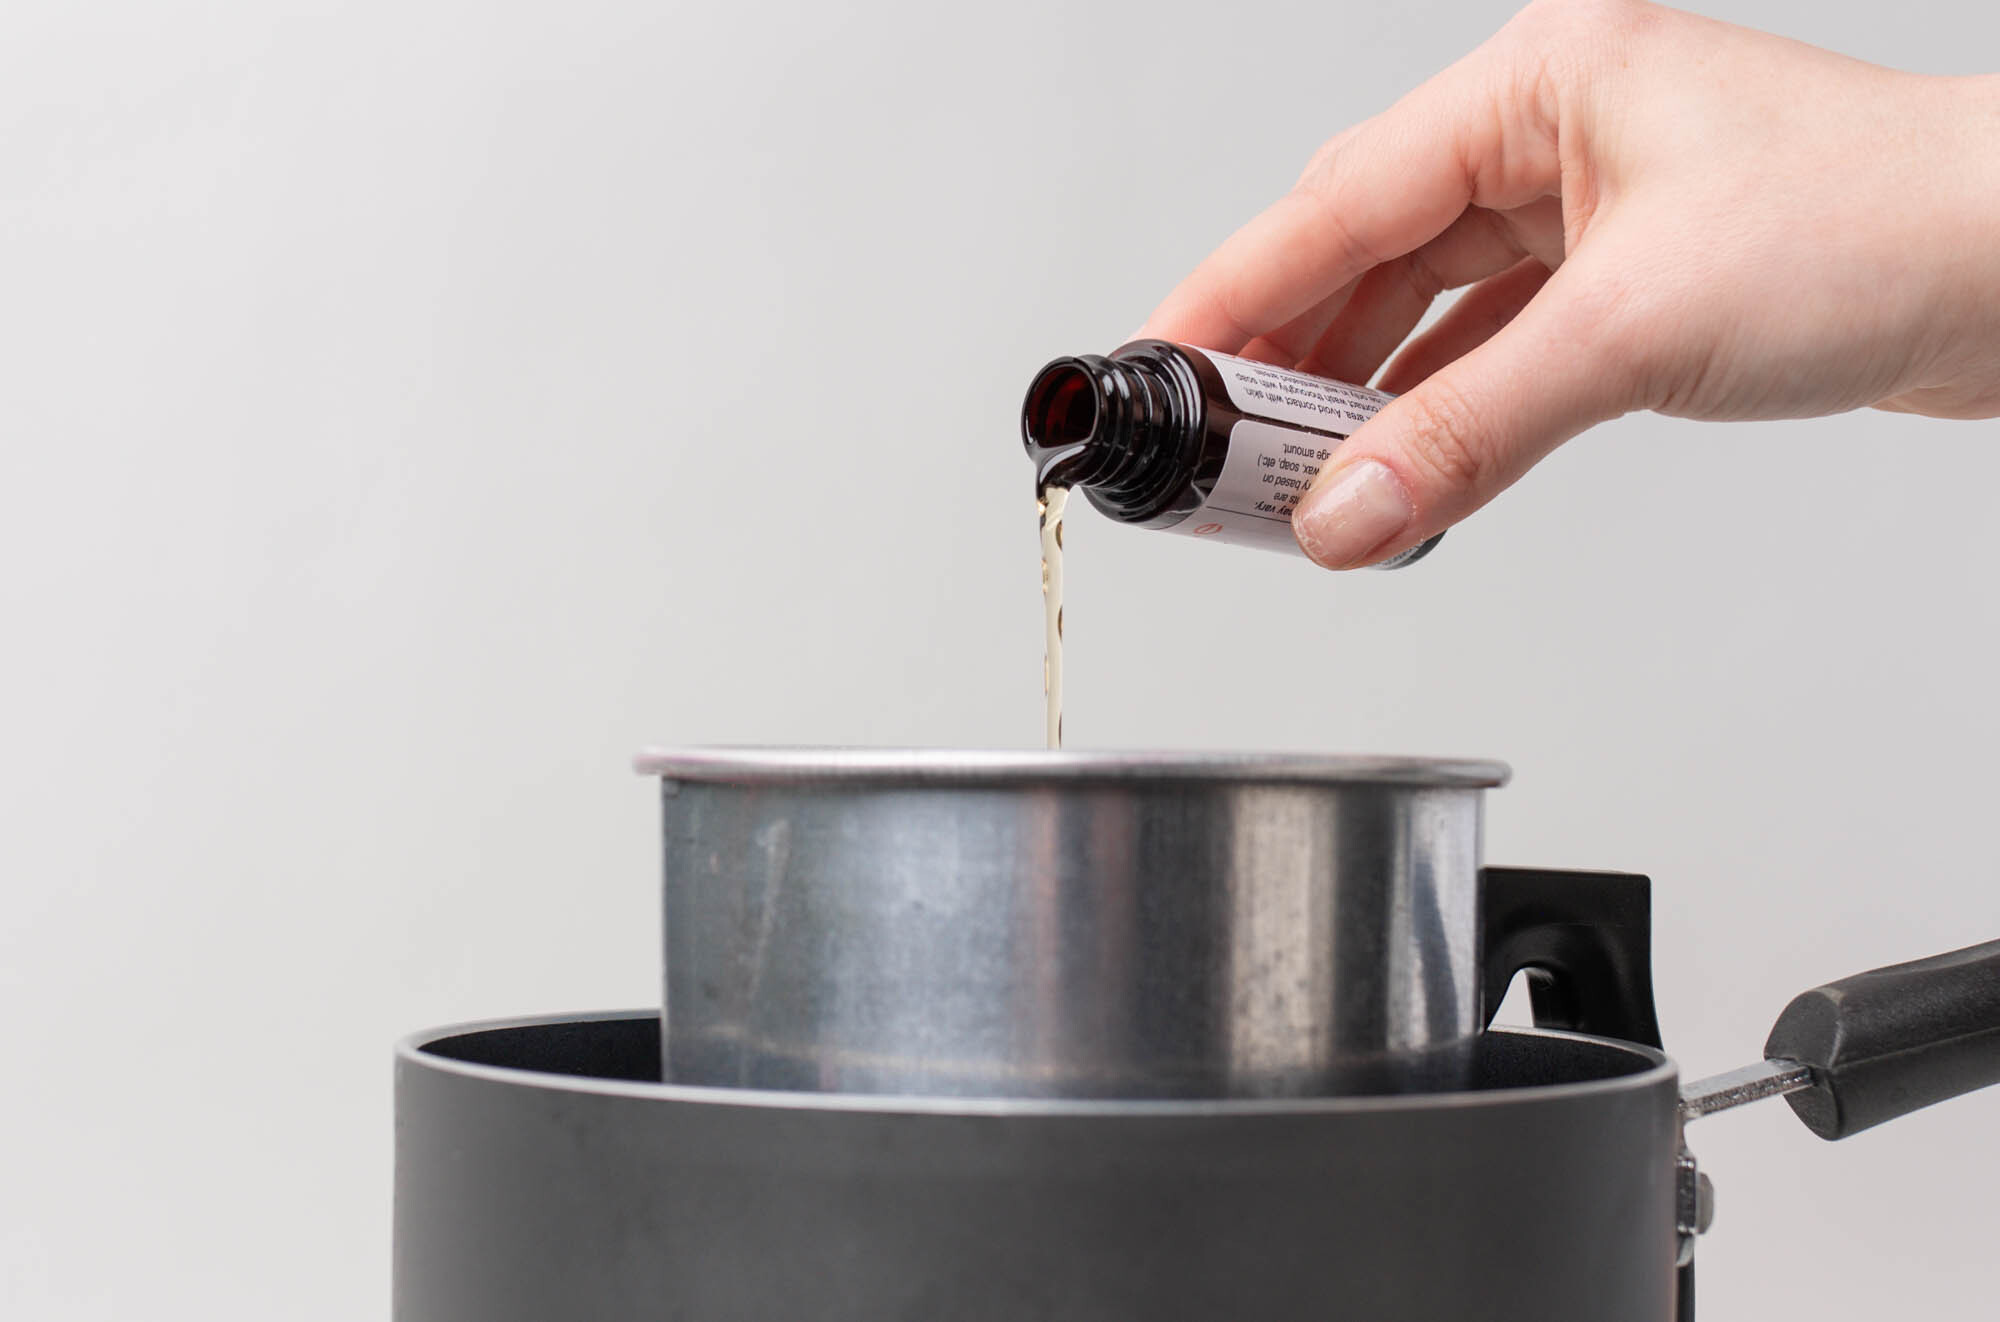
column 1357, row 510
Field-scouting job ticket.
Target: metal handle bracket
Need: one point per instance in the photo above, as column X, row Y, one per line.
column 1752, row 1083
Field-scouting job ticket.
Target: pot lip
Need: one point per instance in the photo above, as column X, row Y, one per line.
column 995, row 767
column 412, row 1052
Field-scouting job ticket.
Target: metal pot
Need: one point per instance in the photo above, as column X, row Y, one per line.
column 540, row 1175
column 541, row 1172
column 1108, row 925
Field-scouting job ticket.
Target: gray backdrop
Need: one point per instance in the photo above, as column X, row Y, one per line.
column 411, row 410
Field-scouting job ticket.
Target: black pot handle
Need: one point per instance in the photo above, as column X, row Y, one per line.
column 1886, row 1043
column 1586, row 942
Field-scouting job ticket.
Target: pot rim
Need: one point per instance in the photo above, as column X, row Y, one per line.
column 413, row 1051
column 996, row 767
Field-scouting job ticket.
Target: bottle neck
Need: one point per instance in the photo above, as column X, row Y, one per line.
column 1126, row 427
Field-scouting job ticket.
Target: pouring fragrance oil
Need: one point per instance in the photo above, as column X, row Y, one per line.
column 1186, row 440
column 1191, row 441
column 1050, row 503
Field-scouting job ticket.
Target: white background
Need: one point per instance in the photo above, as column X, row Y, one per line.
column 407, row 411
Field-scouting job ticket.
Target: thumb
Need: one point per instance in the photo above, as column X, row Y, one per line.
column 1463, row 436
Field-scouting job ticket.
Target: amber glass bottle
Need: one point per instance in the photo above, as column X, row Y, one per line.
column 1192, row 441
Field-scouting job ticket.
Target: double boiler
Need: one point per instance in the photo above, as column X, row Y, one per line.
column 1118, row 1038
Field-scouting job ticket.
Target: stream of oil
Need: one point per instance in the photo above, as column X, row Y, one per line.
column 1049, row 505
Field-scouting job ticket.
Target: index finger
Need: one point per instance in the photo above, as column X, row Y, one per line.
column 1474, row 135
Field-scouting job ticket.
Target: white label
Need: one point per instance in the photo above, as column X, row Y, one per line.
column 1264, row 391
column 1270, row 465
column 1268, row 468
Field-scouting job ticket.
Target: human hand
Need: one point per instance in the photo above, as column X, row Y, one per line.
column 1653, row 211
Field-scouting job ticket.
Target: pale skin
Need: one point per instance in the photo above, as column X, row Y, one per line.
column 1645, row 210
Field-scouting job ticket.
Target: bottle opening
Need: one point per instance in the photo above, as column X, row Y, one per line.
column 1061, row 411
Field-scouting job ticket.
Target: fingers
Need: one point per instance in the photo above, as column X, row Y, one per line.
column 1390, row 300
column 1294, row 340
column 1474, row 135
column 1477, row 316
column 1279, row 266
column 1465, row 433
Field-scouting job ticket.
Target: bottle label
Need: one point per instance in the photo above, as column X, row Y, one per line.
column 1264, row 391
column 1270, row 464
column 1268, row 468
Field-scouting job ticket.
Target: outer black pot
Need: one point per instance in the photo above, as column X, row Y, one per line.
column 540, row 1175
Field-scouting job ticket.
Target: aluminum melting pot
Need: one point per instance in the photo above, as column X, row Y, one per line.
column 1238, row 1150
column 1124, row 926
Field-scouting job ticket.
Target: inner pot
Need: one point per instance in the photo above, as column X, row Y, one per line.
column 1070, row 925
